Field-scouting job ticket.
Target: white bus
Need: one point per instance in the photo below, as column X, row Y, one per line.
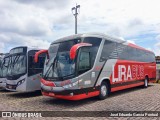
column 3, row 70
column 23, row 73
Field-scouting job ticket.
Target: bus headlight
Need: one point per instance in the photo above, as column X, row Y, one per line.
column 20, row 82
column 68, row 86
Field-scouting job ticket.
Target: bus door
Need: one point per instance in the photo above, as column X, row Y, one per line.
column 34, row 70
column 84, row 65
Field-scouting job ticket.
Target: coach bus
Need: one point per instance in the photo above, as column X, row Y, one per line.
column 23, row 73
column 87, row 65
column 3, row 70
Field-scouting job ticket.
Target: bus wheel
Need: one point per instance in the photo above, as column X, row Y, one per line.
column 146, row 82
column 103, row 91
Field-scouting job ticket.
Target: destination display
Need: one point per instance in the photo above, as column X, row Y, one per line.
column 18, row 50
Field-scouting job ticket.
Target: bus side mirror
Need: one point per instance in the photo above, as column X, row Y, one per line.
column 38, row 53
column 74, row 49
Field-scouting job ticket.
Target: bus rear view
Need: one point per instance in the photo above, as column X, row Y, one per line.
column 23, row 74
column 87, row 65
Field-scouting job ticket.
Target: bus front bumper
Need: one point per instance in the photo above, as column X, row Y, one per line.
column 3, row 85
column 11, row 87
column 69, row 94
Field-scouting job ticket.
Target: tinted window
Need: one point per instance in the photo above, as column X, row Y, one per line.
column 66, row 46
column 18, row 50
column 94, row 49
column 3, row 67
column 109, row 50
column 152, row 57
column 84, row 62
column 34, row 68
column 134, row 54
column 122, row 51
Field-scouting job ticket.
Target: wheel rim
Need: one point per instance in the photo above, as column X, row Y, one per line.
column 146, row 84
column 103, row 90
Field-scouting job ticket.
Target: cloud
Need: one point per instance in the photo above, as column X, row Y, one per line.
column 47, row 4
column 156, row 47
column 29, row 22
column 156, row 50
column 158, row 37
column 2, row 47
column 20, row 40
column 4, row 38
column 23, row 21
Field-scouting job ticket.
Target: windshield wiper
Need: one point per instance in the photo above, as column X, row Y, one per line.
column 12, row 64
column 16, row 59
column 48, row 71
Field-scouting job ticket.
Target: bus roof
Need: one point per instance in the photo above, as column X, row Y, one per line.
column 99, row 35
column 6, row 55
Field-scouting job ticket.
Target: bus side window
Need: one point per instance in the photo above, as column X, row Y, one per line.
column 84, row 62
column 94, row 48
column 152, row 57
column 109, row 51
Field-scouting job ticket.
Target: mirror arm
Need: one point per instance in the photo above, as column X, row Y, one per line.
column 75, row 48
column 38, row 53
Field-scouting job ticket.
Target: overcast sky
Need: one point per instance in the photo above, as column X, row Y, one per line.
column 39, row 22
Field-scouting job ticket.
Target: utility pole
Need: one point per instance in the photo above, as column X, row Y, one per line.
column 75, row 13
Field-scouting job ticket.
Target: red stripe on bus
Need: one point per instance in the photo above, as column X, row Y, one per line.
column 48, row 83
column 126, row 81
column 127, row 86
column 138, row 47
column 38, row 53
column 74, row 97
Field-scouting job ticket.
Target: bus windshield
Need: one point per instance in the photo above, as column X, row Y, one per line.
column 0, row 68
column 59, row 64
column 17, row 65
column 3, row 67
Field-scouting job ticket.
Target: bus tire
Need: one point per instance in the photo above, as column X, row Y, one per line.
column 146, row 82
column 104, row 91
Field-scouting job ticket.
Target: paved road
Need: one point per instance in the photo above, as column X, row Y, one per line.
column 127, row 100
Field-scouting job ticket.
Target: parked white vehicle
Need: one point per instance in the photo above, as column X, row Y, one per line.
column 23, row 73
column 3, row 70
